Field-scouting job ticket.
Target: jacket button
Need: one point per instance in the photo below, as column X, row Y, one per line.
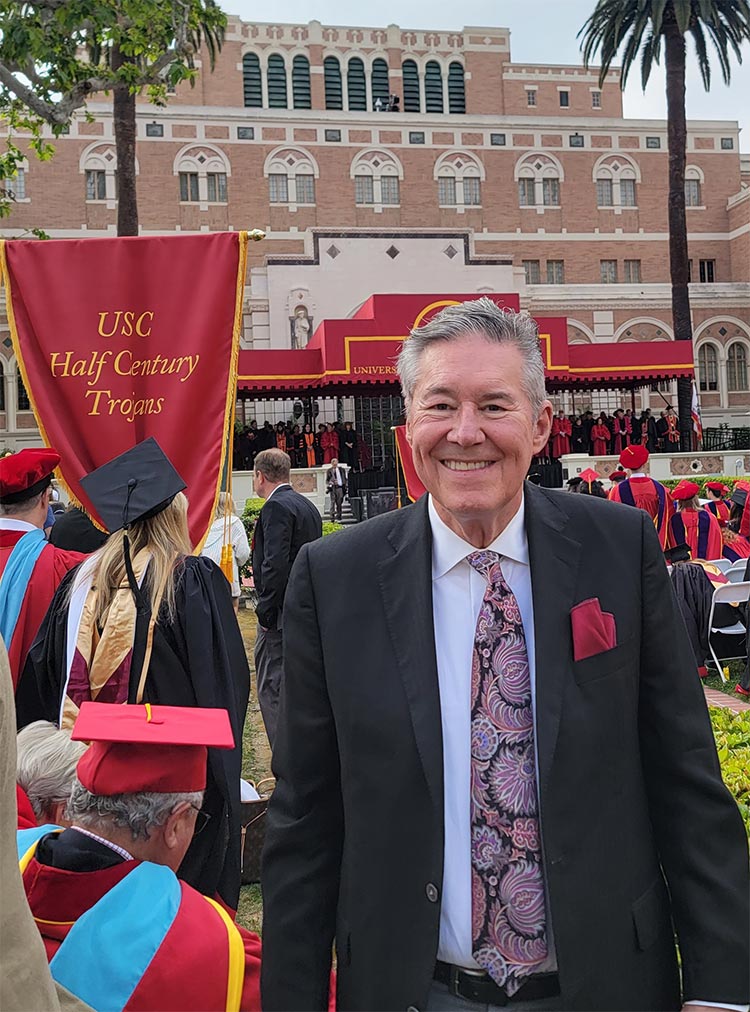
column 432, row 892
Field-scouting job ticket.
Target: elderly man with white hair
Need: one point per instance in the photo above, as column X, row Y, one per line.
column 121, row 930
column 47, row 760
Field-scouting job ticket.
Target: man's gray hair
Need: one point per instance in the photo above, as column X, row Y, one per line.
column 140, row 813
column 20, row 509
column 46, row 766
column 485, row 318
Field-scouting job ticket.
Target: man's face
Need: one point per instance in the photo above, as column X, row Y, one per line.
column 472, row 429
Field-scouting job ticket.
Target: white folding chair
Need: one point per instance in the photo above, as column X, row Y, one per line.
column 736, row 572
column 728, row 593
column 723, row 565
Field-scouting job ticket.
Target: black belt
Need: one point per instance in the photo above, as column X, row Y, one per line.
column 478, row 986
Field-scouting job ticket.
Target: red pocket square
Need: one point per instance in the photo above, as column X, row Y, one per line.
column 594, row 630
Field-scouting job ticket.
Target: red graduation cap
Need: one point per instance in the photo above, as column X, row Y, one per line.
column 685, row 490
column 717, row 486
column 26, row 473
column 618, row 473
column 149, row 749
column 634, row 456
column 589, row 475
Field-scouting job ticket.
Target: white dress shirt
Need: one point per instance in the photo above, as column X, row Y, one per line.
column 457, row 595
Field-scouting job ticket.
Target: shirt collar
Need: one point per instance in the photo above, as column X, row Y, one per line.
column 284, row 484
column 448, row 549
column 7, row 524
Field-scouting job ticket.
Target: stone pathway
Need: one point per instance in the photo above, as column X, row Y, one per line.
column 735, row 703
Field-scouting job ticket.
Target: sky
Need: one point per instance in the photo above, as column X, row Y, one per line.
column 541, row 31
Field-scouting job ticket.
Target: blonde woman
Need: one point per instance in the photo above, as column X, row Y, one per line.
column 145, row 621
column 237, row 538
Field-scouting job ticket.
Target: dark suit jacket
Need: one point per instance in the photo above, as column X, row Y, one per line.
column 631, row 794
column 287, row 521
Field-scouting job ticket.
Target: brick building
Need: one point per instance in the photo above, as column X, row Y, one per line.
column 391, row 160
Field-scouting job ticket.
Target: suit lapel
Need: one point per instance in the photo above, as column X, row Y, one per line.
column 554, row 557
column 405, row 581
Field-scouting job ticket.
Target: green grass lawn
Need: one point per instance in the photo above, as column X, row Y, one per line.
column 735, row 672
column 256, row 766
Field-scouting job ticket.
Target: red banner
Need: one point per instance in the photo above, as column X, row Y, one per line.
column 121, row 339
column 414, row 487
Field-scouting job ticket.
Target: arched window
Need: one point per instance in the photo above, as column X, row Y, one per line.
column 291, row 176
column 616, row 178
column 377, row 176
column 459, row 177
column 24, row 404
column 252, row 86
column 456, row 89
column 356, row 87
column 379, row 84
column 301, row 83
column 737, row 366
column 433, row 87
column 693, row 186
column 708, row 369
column 410, row 77
column 276, row 82
column 202, row 172
column 332, row 79
column 98, row 164
column 539, row 176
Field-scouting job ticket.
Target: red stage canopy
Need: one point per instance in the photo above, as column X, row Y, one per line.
column 352, row 355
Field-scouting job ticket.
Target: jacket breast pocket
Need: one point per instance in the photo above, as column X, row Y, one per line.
column 608, row 662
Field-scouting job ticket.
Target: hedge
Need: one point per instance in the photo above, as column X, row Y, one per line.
column 701, row 480
column 732, row 733
column 250, row 518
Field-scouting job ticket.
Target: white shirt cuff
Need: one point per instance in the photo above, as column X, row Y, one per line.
column 719, row 1004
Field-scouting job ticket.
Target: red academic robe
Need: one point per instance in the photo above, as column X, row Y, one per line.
column 735, row 546
column 700, row 531
column 329, row 443
column 643, row 492
column 189, row 972
column 26, row 816
column 720, row 509
column 50, row 568
column 600, row 437
column 561, row 433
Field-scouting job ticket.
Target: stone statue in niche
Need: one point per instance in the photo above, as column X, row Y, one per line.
column 301, row 327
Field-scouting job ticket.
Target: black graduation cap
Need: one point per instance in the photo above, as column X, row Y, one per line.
column 136, row 485
column 680, row 553
column 739, row 495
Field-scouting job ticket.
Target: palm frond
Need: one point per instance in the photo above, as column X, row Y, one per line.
column 704, row 64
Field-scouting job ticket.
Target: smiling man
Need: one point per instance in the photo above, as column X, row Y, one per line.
column 496, row 779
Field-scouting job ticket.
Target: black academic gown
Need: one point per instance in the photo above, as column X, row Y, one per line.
column 197, row 660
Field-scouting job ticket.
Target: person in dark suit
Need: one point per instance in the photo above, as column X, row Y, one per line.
column 287, row 521
column 496, row 778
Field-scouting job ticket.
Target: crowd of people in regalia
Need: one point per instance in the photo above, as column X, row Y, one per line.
column 608, row 434
column 128, row 815
column 690, row 528
column 306, row 444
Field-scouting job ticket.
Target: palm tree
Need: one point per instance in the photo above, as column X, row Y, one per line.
column 638, row 27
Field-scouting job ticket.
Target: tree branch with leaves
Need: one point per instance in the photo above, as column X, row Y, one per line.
column 56, row 55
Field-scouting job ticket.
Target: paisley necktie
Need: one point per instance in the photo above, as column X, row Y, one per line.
column 508, row 906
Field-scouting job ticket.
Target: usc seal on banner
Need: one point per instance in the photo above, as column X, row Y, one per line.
column 125, row 338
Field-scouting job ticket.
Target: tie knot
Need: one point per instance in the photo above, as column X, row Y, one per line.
column 484, row 562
